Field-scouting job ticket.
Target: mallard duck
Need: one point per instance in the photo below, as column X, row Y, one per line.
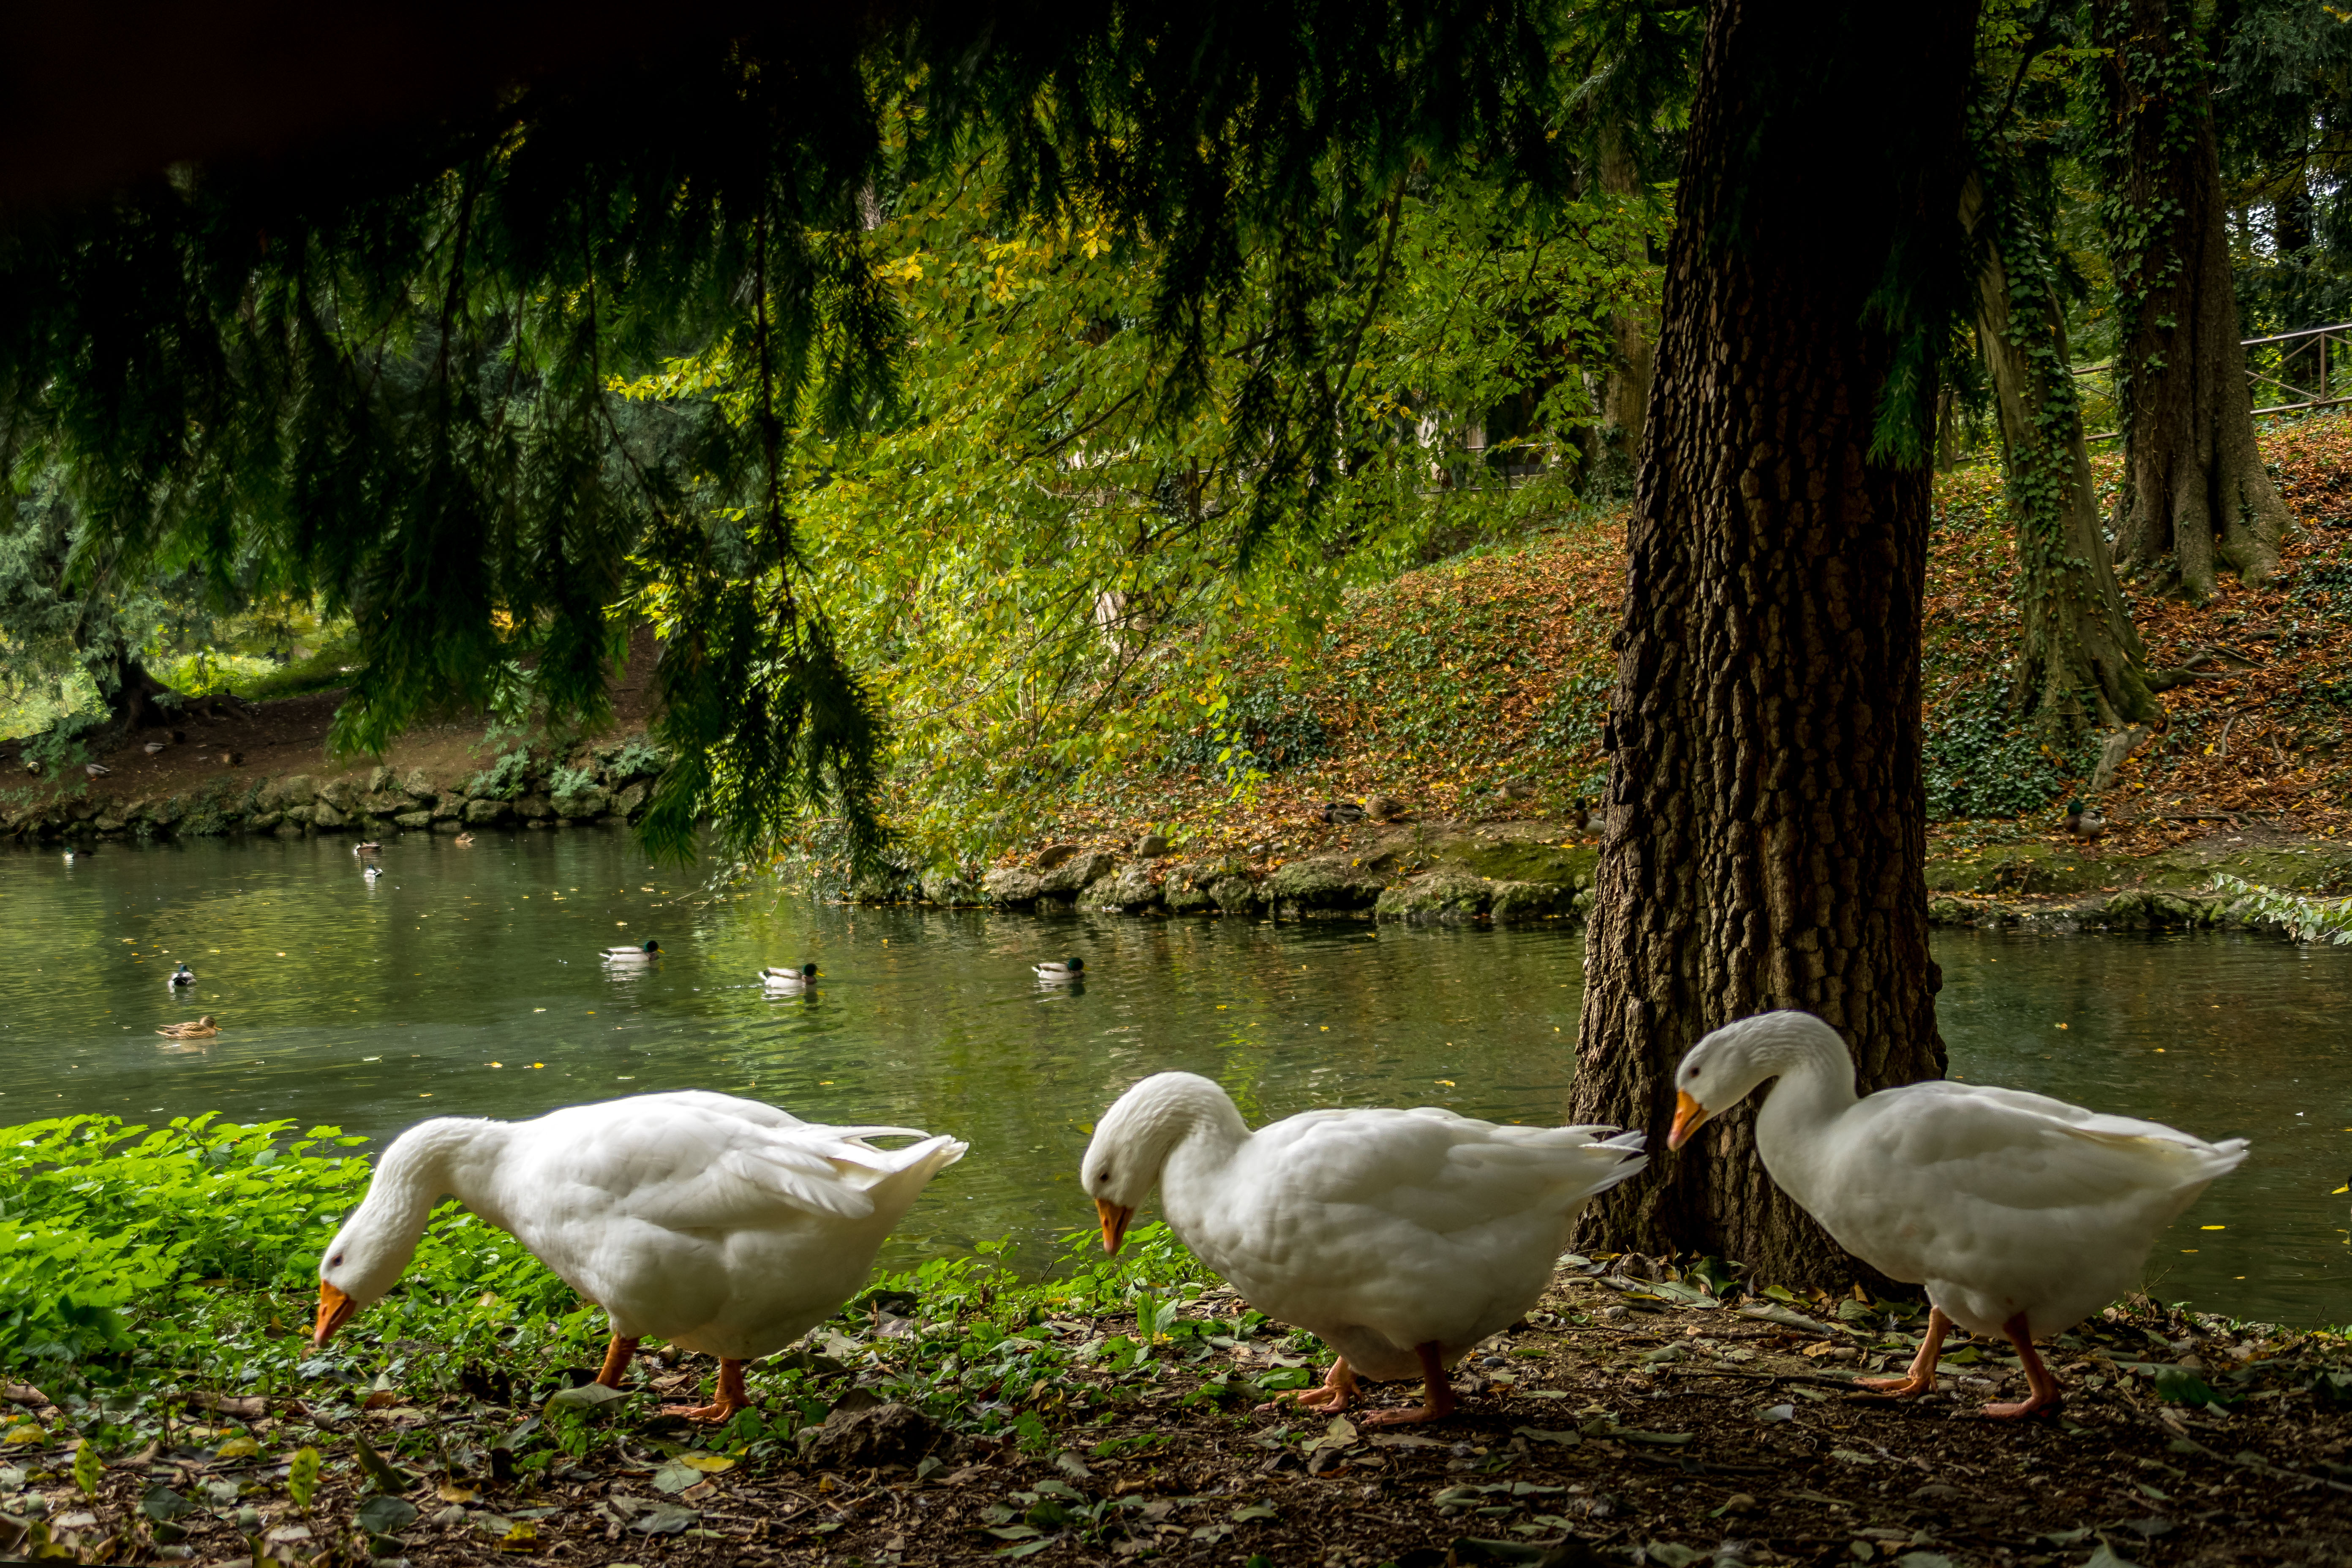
column 202, row 1029
column 81, row 853
column 464, row 841
column 646, row 955
column 1061, row 969
column 152, row 747
column 2083, row 822
column 1583, row 818
column 96, row 770
column 182, row 976
column 1341, row 812
column 1401, row 1237
column 720, row 1225
column 788, row 979
column 372, row 872
column 2021, row 1214
column 368, row 848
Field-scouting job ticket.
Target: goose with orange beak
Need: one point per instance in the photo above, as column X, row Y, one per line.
column 1402, row 1238
column 2021, row 1214
column 718, row 1224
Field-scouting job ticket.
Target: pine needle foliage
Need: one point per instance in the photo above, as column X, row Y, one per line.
column 381, row 373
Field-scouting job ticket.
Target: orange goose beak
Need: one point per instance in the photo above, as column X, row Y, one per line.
column 1113, row 1223
column 335, row 1309
column 1688, row 1114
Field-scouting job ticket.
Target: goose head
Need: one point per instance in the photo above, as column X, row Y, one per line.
column 376, row 1243
column 1725, row 1067
column 364, row 1261
column 1135, row 1137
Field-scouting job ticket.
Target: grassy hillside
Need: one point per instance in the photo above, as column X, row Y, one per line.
column 1444, row 686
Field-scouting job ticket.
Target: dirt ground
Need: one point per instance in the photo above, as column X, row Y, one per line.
column 289, row 736
column 1625, row 1422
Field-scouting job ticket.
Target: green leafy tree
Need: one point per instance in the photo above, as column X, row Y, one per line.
column 383, row 375
column 1042, row 570
column 79, row 618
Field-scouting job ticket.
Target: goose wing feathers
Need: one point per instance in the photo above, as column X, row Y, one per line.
column 1444, row 1173
column 698, row 1161
column 2026, row 1152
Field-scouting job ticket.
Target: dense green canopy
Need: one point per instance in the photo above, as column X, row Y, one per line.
column 384, row 372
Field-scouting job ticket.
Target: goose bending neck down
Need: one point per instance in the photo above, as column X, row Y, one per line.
column 720, row 1225
column 2021, row 1214
column 1402, row 1238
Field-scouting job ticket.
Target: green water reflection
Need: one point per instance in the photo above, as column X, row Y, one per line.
column 465, row 982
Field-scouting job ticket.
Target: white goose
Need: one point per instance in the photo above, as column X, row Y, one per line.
column 721, row 1225
column 2021, row 1214
column 1401, row 1237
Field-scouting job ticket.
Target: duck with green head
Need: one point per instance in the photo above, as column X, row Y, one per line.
column 1061, row 971
column 646, row 955
column 789, row 979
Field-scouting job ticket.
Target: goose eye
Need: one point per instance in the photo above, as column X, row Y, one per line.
column 336, row 1261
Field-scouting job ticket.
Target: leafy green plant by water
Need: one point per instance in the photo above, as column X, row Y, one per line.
column 2305, row 918
column 504, row 779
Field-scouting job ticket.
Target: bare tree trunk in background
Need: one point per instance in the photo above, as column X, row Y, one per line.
column 2081, row 662
column 1625, row 391
column 1765, row 844
column 2195, row 494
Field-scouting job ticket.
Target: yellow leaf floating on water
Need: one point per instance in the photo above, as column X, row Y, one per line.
column 709, row 1464
column 237, row 1448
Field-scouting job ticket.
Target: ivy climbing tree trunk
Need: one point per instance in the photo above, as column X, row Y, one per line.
column 2195, row 496
column 2081, row 663
column 1765, row 833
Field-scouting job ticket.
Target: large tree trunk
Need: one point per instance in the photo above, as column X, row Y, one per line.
column 2195, row 495
column 1765, row 841
column 2081, row 663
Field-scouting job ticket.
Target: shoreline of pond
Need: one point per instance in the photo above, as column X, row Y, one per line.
column 1434, row 873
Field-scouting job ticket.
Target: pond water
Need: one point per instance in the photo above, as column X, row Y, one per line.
column 465, row 982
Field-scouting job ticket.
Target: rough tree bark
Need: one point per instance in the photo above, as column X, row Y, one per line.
column 2195, row 496
column 2081, row 663
column 1764, row 842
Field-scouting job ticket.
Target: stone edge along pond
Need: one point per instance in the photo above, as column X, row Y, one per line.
column 1433, row 873
column 608, row 785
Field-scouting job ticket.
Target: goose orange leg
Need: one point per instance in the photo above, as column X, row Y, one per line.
column 1921, row 1378
column 1337, row 1391
column 617, row 1360
column 731, row 1397
column 2041, row 1388
column 1437, row 1397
